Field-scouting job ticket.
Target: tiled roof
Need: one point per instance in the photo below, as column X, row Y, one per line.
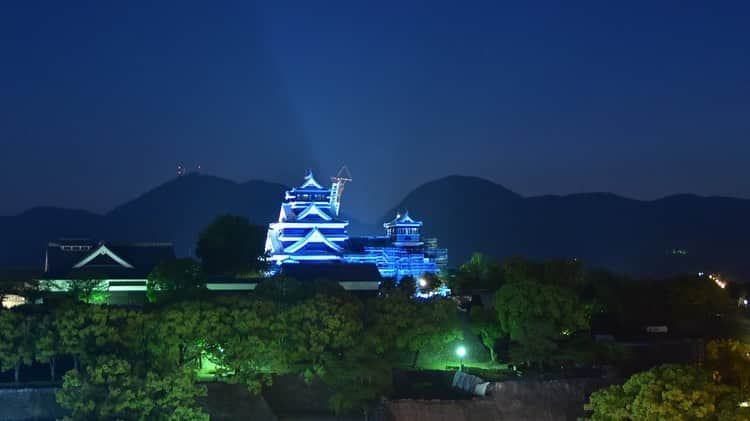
column 61, row 261
column 351, row 272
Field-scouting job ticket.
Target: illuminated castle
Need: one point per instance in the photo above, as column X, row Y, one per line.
column 309, row 230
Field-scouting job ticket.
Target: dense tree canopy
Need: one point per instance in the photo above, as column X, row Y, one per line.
column 538, row 317
column 484, row 322
column 729, row 360
column 481, row 272
column 230, row 245
column 669, row 393
column 88, row 286
column 177, row 277
column 112, row 388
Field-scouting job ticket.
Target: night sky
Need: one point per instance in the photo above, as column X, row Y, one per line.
column 98, row 103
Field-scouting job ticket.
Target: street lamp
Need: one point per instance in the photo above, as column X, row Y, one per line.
column 461, row 353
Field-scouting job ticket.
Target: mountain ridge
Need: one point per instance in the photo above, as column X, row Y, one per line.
column 466, row 213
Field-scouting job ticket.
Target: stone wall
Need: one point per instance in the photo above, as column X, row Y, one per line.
column 548, row 400
column 29, row 404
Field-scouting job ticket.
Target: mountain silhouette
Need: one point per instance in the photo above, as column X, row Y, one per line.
column 680, row 233
column 176, row 211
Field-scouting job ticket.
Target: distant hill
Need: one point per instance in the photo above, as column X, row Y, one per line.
column 681, row 233
column 175, row 211
column 467, row 214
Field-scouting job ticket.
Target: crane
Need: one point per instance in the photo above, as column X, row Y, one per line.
column 337, row 187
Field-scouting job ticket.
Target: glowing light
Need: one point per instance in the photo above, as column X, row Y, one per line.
column 718, row 281
column 745, row 404
column 422, row 283
column 461, row 351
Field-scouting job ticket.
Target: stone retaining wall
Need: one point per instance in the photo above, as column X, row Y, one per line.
column 537, row 400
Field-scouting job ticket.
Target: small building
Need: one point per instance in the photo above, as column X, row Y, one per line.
column 401, row 252
column 122, row 268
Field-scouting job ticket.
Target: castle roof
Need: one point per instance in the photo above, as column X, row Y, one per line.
column 310, row 183
column 110, row 260
column 347, row 272
column 403, row 220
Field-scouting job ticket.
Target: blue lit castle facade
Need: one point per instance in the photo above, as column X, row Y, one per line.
column 309, row 230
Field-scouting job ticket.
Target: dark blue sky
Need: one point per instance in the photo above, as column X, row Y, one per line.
column 99, row 103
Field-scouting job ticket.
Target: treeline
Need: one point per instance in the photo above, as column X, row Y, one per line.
column 142, row 363
column 545, row 311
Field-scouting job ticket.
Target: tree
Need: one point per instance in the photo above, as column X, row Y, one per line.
column 181, row 331
column 87, row 331
column 111, row 388
column 407, row 286
column 538, row 317
column 230, row 245
column 700, row 307
column 435, row 324
column 480, row 272
column 429, row 282
column 47, row 343
column 69, row 322
column 177, row 277
column 729, row 360
column 566, row 273
column 484, row 323
column 668, row 392
column 16, row 341
column 88, row 286
column 388, row 317
column 318, row 325
column 250, row 351
column 358, row 377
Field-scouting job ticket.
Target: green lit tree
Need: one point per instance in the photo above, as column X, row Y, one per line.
column 484, row 323
column 112, row 388
column 16, row 341
column 87, row 331
column 538, row 317
column 250, row 350
column 47, row 343
column 358, row 378
column 230, row 245
column 729, row 360
column 175, row 278
column 87, row 286
column 436, row 323
column 182, row 331
column 318, row 325
column 389, row 316
column 399, row 322
column 669, row 393
column 70, row 322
